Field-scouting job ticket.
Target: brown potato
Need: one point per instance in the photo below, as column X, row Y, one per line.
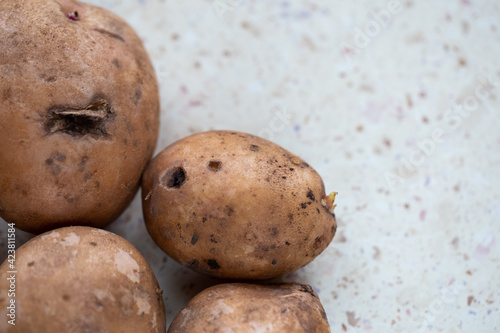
column 250, row 308
column 79, row 114
column 80, row 279
column 234, row 205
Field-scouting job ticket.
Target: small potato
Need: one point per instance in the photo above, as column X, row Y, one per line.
column 80, row 279
column 234, row 205
column 79, row 114
column 252, row 308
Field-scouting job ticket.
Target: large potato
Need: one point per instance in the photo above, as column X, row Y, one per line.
column 80, row 279
column 234, row 205
column 79, row 114
column 251, row 308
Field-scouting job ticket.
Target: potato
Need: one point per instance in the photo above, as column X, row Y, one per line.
column 247, row 308
column 80, row 279
column 234, row 205
column 79, row 114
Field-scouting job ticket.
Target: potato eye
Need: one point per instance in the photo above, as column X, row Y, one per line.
column 74, row 16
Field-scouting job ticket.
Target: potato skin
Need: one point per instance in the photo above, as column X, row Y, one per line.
column 250, row 308
column 82, row 279
column 79, row 114
column 233, row 205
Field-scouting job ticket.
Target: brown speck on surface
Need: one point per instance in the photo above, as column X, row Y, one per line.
column 468, row 272
column 344, row 328
column 31, row 264
column 387, row 142
column 425, row 120
column 359, row 128
column 66, row 297
column 409, row 101
column 174, row 36
column 351, row 318
column 462, row 62
column 470, row 299
column 93, row 243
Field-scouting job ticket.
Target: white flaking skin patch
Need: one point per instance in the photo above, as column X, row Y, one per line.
column 127, row 265
column 100, row 231
column 142, row 303
column 71, row 239
column 53, row 234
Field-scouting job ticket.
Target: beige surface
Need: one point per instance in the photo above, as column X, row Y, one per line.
column 418, row 247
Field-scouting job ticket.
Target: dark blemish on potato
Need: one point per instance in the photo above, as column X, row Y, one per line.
column 292, row 169
column 194, row 240
column 193, row 263
column 318, row 242
column 48, row 79
column 7, row 94
column 212, row 263
column 87, row 176
column 305, row 164
column 283, row 177
column 204, row 219
column 268, row 179
column 303, row 205
column 274, row 232
column 287, row 243
column 290, row 217
column 214, row 165
column 116, row 63
column 307, row 289
column 265, row 248
column 323, row 314
column 310, row 195
column 97, row 185
column 31, row 264
column 93, row 243
column 58, row 157
column 110, row 34
column 254, row 148
column 66, row 298
column 317, row 209
column 229, row 210
column 82, row 163
column 274, row 262
column 333, row 229
column 211, row 250
column 138, row 96
column 174, row 178
column 56, row 169
column 212, row 239
column 49, row 161
column 78, row 122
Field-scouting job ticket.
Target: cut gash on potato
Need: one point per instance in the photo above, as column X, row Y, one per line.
column 79, row 112
column 233, row 205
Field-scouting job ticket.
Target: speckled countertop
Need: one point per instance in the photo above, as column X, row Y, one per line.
column 395, row 104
